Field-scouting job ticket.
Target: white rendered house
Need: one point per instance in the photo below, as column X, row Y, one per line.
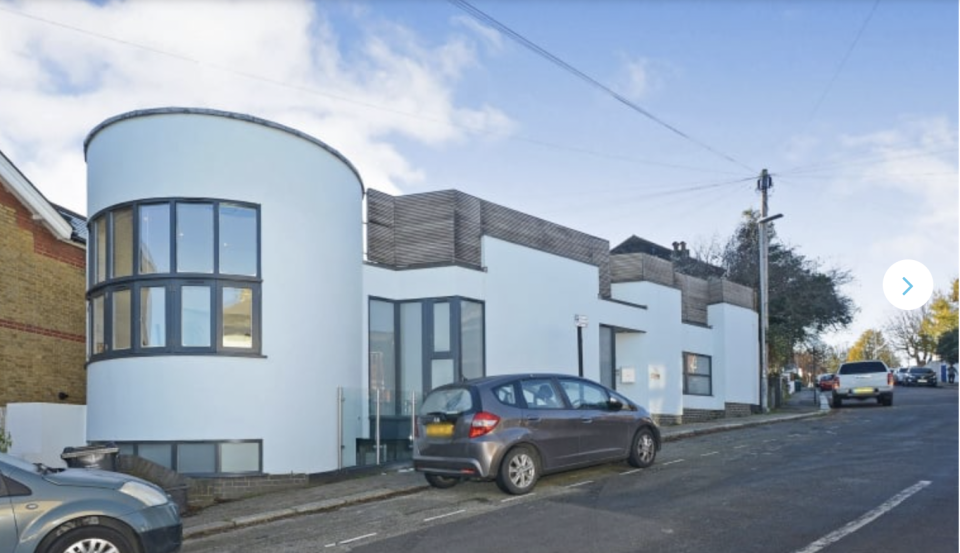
column 232, row 311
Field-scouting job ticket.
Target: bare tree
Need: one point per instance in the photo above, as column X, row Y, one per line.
column 909, row 334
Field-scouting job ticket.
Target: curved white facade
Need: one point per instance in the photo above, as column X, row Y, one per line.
column 309, row 199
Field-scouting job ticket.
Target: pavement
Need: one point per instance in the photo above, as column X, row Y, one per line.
column 355, row 487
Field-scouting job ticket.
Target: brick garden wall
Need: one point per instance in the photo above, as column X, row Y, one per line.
column 42, row 310
column 206, row 491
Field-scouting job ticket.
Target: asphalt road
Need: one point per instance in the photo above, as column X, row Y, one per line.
column 865, row 478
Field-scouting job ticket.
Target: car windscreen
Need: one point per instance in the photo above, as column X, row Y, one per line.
column 920, row 371
column 863, row 368
column 449, row 401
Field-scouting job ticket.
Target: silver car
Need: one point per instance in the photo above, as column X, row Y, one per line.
column 44, row 510
column 514, row 428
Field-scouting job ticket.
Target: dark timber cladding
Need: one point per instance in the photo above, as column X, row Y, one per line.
column 444, row 228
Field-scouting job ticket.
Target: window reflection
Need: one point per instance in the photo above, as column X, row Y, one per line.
column 195, row 238
column 237, row 317
column 121, row 319
column 471, row 339
column 154, row 239
column 441, row 327
column 123, row 242
column 100, row 250
column 238, row 240
column 195, row 316
column 153, row 317
column 99, row 345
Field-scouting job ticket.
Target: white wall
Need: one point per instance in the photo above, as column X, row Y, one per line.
column 40, row 431
column 311, row 267
column 700, row 340
column 532, row 298
column 658, row 360
column 736, row 346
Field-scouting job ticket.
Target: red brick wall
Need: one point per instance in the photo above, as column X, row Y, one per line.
column 42, row 310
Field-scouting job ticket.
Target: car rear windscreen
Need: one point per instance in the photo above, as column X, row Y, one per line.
column 862, row 368
column 448, row 401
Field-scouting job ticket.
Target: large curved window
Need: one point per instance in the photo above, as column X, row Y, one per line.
column 175, row 276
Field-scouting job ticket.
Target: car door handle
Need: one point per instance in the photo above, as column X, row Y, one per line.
column 533, row 419
column 586, row 420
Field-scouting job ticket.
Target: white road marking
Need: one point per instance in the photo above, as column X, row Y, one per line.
column 672, row 462
column 584, row 483
column 709, row 454
column 516, row 497
column 431, row 519
column 358, row 538
column 741, row 446
column 630, row 472
column 855, row 525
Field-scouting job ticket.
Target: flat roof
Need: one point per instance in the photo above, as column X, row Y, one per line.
column 219, row 113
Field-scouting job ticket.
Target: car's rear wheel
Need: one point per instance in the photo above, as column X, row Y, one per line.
column 519, row 471
column 440, row 481
column 836, row 403
column 92, row 539
column 643, row 451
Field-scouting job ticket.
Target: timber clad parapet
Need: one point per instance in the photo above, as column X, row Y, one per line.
column 634, row 267
column 447, row 227
column 694, row 293
column 724, row 291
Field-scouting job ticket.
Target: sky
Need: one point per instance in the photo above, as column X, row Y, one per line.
column 852, row 106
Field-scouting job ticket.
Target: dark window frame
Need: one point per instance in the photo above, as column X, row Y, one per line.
column 455, row 352
column 173, row 283
column 687, row 376
column 218, row 458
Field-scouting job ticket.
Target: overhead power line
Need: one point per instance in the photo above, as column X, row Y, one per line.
column 526, row 43
column 843, row 61
column 430, row 118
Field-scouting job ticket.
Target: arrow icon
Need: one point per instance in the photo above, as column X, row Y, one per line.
column 909, row 286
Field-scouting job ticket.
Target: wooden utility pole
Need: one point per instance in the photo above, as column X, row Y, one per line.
column 763, row 185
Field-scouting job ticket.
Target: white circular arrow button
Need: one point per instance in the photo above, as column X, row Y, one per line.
column 908, row 284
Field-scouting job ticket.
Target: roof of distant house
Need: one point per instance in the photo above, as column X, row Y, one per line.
column 63, row 223
column 679, row 256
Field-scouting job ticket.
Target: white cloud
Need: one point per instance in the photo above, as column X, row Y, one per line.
column 639, row 78
column 491, row 37
column 69, row 65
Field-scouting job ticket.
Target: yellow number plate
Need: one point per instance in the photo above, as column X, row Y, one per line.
column 863, row 391
column 440, row 430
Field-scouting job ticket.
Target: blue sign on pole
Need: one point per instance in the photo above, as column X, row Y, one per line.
column 943, row 372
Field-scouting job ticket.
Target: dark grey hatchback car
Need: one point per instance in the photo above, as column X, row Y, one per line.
column 515, row 428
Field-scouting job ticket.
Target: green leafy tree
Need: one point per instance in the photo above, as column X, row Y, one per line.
column 947, row 347
column 945, row 323
column 805, row 299
column 873, row 345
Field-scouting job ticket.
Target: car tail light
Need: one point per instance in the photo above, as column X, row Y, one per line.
column 836, row 382
column 889, row 379
column 483, row 423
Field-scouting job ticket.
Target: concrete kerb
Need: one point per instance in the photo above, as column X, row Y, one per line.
column 760, row 420
column 370, row 496
column 315, row 507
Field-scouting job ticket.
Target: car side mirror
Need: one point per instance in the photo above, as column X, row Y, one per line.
column 614, row 405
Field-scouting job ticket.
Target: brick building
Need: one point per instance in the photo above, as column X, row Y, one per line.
column 42, row 313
